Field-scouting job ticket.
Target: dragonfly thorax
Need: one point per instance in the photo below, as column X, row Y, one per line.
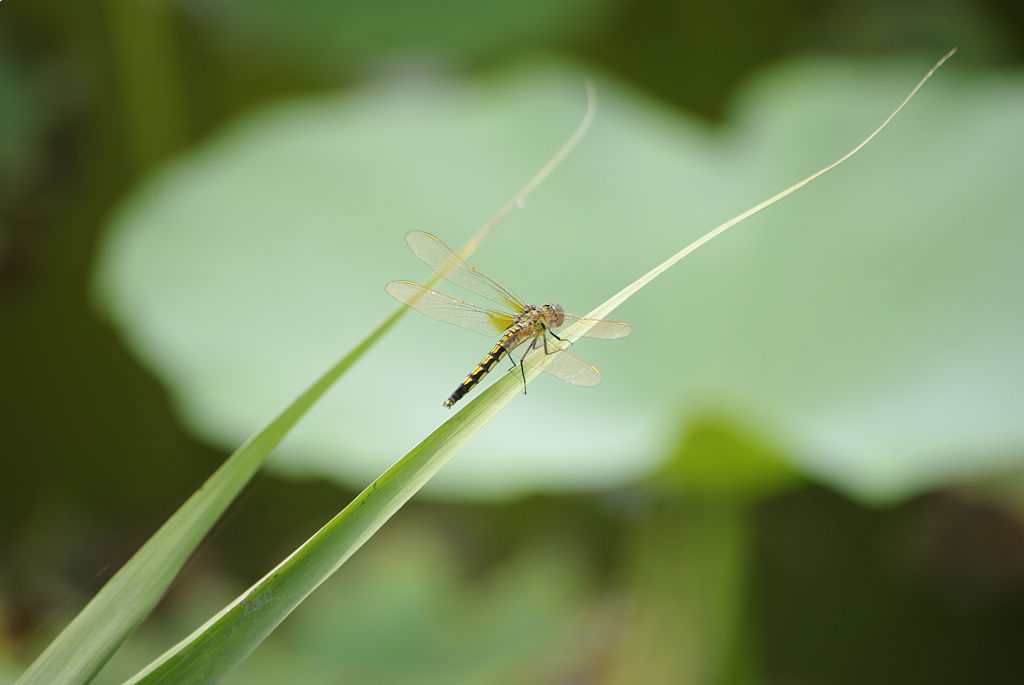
column 545, row 316
column 533, row 321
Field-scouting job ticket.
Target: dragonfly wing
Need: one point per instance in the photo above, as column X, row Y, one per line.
column 573, row 369
column 603, row 329
column 455, row 269
column 448, row 309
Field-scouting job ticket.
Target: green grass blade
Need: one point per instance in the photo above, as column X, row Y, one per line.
column 232, row 634
column 85, row 645
column 229, row 636
column 92, row 637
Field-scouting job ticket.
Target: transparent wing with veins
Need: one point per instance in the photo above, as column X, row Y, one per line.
column 573, row 369
column 437, row 305
column 602, row 329
column 455, row 269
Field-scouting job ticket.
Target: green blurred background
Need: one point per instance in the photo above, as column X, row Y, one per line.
column 804, row 467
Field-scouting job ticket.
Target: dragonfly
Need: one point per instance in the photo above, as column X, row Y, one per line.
column 517, row 323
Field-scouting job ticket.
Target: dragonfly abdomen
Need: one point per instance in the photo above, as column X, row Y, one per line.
column 485, row 365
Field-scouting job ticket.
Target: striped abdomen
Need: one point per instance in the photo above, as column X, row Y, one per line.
column 477, row 374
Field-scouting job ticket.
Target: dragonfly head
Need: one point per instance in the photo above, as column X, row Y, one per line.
column 553, row 315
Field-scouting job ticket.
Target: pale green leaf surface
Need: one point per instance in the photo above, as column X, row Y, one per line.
column 869, row 327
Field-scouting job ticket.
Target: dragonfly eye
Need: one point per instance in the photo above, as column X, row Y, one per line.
column 555, row 315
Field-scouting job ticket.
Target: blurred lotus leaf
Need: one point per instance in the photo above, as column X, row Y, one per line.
column 869, row 328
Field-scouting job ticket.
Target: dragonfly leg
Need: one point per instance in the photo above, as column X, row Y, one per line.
column 546, row 351
column 533, row 344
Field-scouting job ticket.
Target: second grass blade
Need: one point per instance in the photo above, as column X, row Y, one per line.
column 232, row 634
